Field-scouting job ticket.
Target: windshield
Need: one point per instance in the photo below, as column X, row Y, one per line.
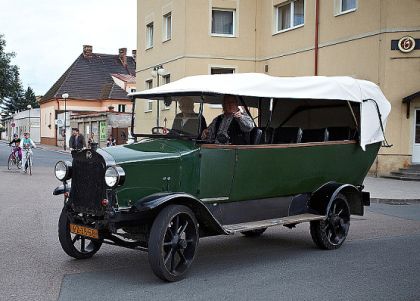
column 174, row 116
column 183, row 117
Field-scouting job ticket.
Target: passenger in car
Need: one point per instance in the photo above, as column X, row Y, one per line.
column 233, row 126
column 186, row 122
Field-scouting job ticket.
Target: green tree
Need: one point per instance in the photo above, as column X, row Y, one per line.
column 8, row 72
column 30, row 98
column 12, row 95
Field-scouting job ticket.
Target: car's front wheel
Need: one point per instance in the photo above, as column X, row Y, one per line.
column 173, row 242
column 75, row 245
column 330, row 234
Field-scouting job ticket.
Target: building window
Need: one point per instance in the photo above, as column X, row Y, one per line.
column 221, row 70
column 345, row 6
column 166, row 79
column 149, row 35
column 149, row 103
column 121, row 108
column 290, row 15
column 167, row 27
column 223, row 22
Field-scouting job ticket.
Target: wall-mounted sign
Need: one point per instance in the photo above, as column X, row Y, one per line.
column 102, row 130
column 406, row 44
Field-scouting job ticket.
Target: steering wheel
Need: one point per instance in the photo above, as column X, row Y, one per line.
column 160, row 130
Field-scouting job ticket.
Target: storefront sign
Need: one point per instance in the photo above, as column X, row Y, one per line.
column 102, row 130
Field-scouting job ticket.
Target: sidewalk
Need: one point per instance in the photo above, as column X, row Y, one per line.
column 390, row 190
column 47, row 147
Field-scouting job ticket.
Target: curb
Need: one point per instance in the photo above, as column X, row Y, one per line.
column 394, row 201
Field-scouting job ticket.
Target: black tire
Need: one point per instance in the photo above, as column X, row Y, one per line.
column 173, row 242
column 253, row 233
column 74, row 245
column 10, row 162
column 30, row 165
column 331, row 233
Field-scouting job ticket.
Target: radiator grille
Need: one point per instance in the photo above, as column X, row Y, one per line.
column 87, row 186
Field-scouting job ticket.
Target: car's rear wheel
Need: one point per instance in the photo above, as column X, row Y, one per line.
column 331, row 233
column 254, row 233
column 173, row 242
column 75, row 245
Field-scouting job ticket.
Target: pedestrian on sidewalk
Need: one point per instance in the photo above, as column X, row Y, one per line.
column 91, row 140
column 110, row 141
column 77, row 141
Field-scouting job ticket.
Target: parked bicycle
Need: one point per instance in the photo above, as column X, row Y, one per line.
column 14, row 159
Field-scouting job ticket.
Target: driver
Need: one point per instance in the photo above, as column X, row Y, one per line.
column 187, row 121
column 232, row 126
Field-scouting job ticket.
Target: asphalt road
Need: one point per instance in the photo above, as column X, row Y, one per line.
column 379, row 261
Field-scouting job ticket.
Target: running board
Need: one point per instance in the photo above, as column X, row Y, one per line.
column 288, row 220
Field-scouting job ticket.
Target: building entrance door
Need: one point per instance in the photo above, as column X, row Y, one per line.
column 416, row 142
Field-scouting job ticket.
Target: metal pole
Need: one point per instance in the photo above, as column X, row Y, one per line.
column 29, row 121
column 65, row 123
column 157, row 105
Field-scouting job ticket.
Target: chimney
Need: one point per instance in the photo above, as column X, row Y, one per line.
column 122, row 54
column 87, row 51
column 134, row 54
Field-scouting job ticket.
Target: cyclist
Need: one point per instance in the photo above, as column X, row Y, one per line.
column 27, row 144
column 16, row 146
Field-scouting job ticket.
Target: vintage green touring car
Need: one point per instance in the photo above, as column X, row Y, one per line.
column 311, row 142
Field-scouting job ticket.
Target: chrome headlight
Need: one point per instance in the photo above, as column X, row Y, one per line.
column 62, row 170
column 114, row 176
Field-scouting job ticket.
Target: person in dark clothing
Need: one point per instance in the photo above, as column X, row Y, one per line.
column 77, row 141
column 186, row 122
column 16, row 144
column 232, row 126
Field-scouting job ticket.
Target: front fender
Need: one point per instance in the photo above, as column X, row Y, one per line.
column 323, row 197
column 62, row 189
column 208, row 223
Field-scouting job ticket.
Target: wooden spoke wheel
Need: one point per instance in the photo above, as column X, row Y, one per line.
column 332, row 232
column 173, row 242
column 75, row 245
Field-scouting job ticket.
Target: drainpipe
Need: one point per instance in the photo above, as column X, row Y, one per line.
column 316, row 35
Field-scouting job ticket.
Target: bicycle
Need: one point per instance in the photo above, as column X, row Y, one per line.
column 14, row 160
column 28, row 159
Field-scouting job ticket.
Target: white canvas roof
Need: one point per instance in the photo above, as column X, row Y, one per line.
column 307, row 87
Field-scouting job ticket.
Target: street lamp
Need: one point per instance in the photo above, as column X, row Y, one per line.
column 65, row 96
column 29, row 108
column 158, row 70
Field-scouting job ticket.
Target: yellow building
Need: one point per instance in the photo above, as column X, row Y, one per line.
column 376, row 40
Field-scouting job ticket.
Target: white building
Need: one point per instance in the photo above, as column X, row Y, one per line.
column 27, row 121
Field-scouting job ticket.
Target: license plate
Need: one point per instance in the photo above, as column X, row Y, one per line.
column 84, row 231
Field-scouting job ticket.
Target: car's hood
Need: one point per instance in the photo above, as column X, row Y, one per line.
column 150, row 150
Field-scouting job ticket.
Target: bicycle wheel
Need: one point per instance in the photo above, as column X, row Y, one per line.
column 30, row 165
column 10, row 162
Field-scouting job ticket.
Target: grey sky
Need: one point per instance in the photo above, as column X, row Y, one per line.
column 47, row 35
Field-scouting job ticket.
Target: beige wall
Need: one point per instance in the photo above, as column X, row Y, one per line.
column 356, row 43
